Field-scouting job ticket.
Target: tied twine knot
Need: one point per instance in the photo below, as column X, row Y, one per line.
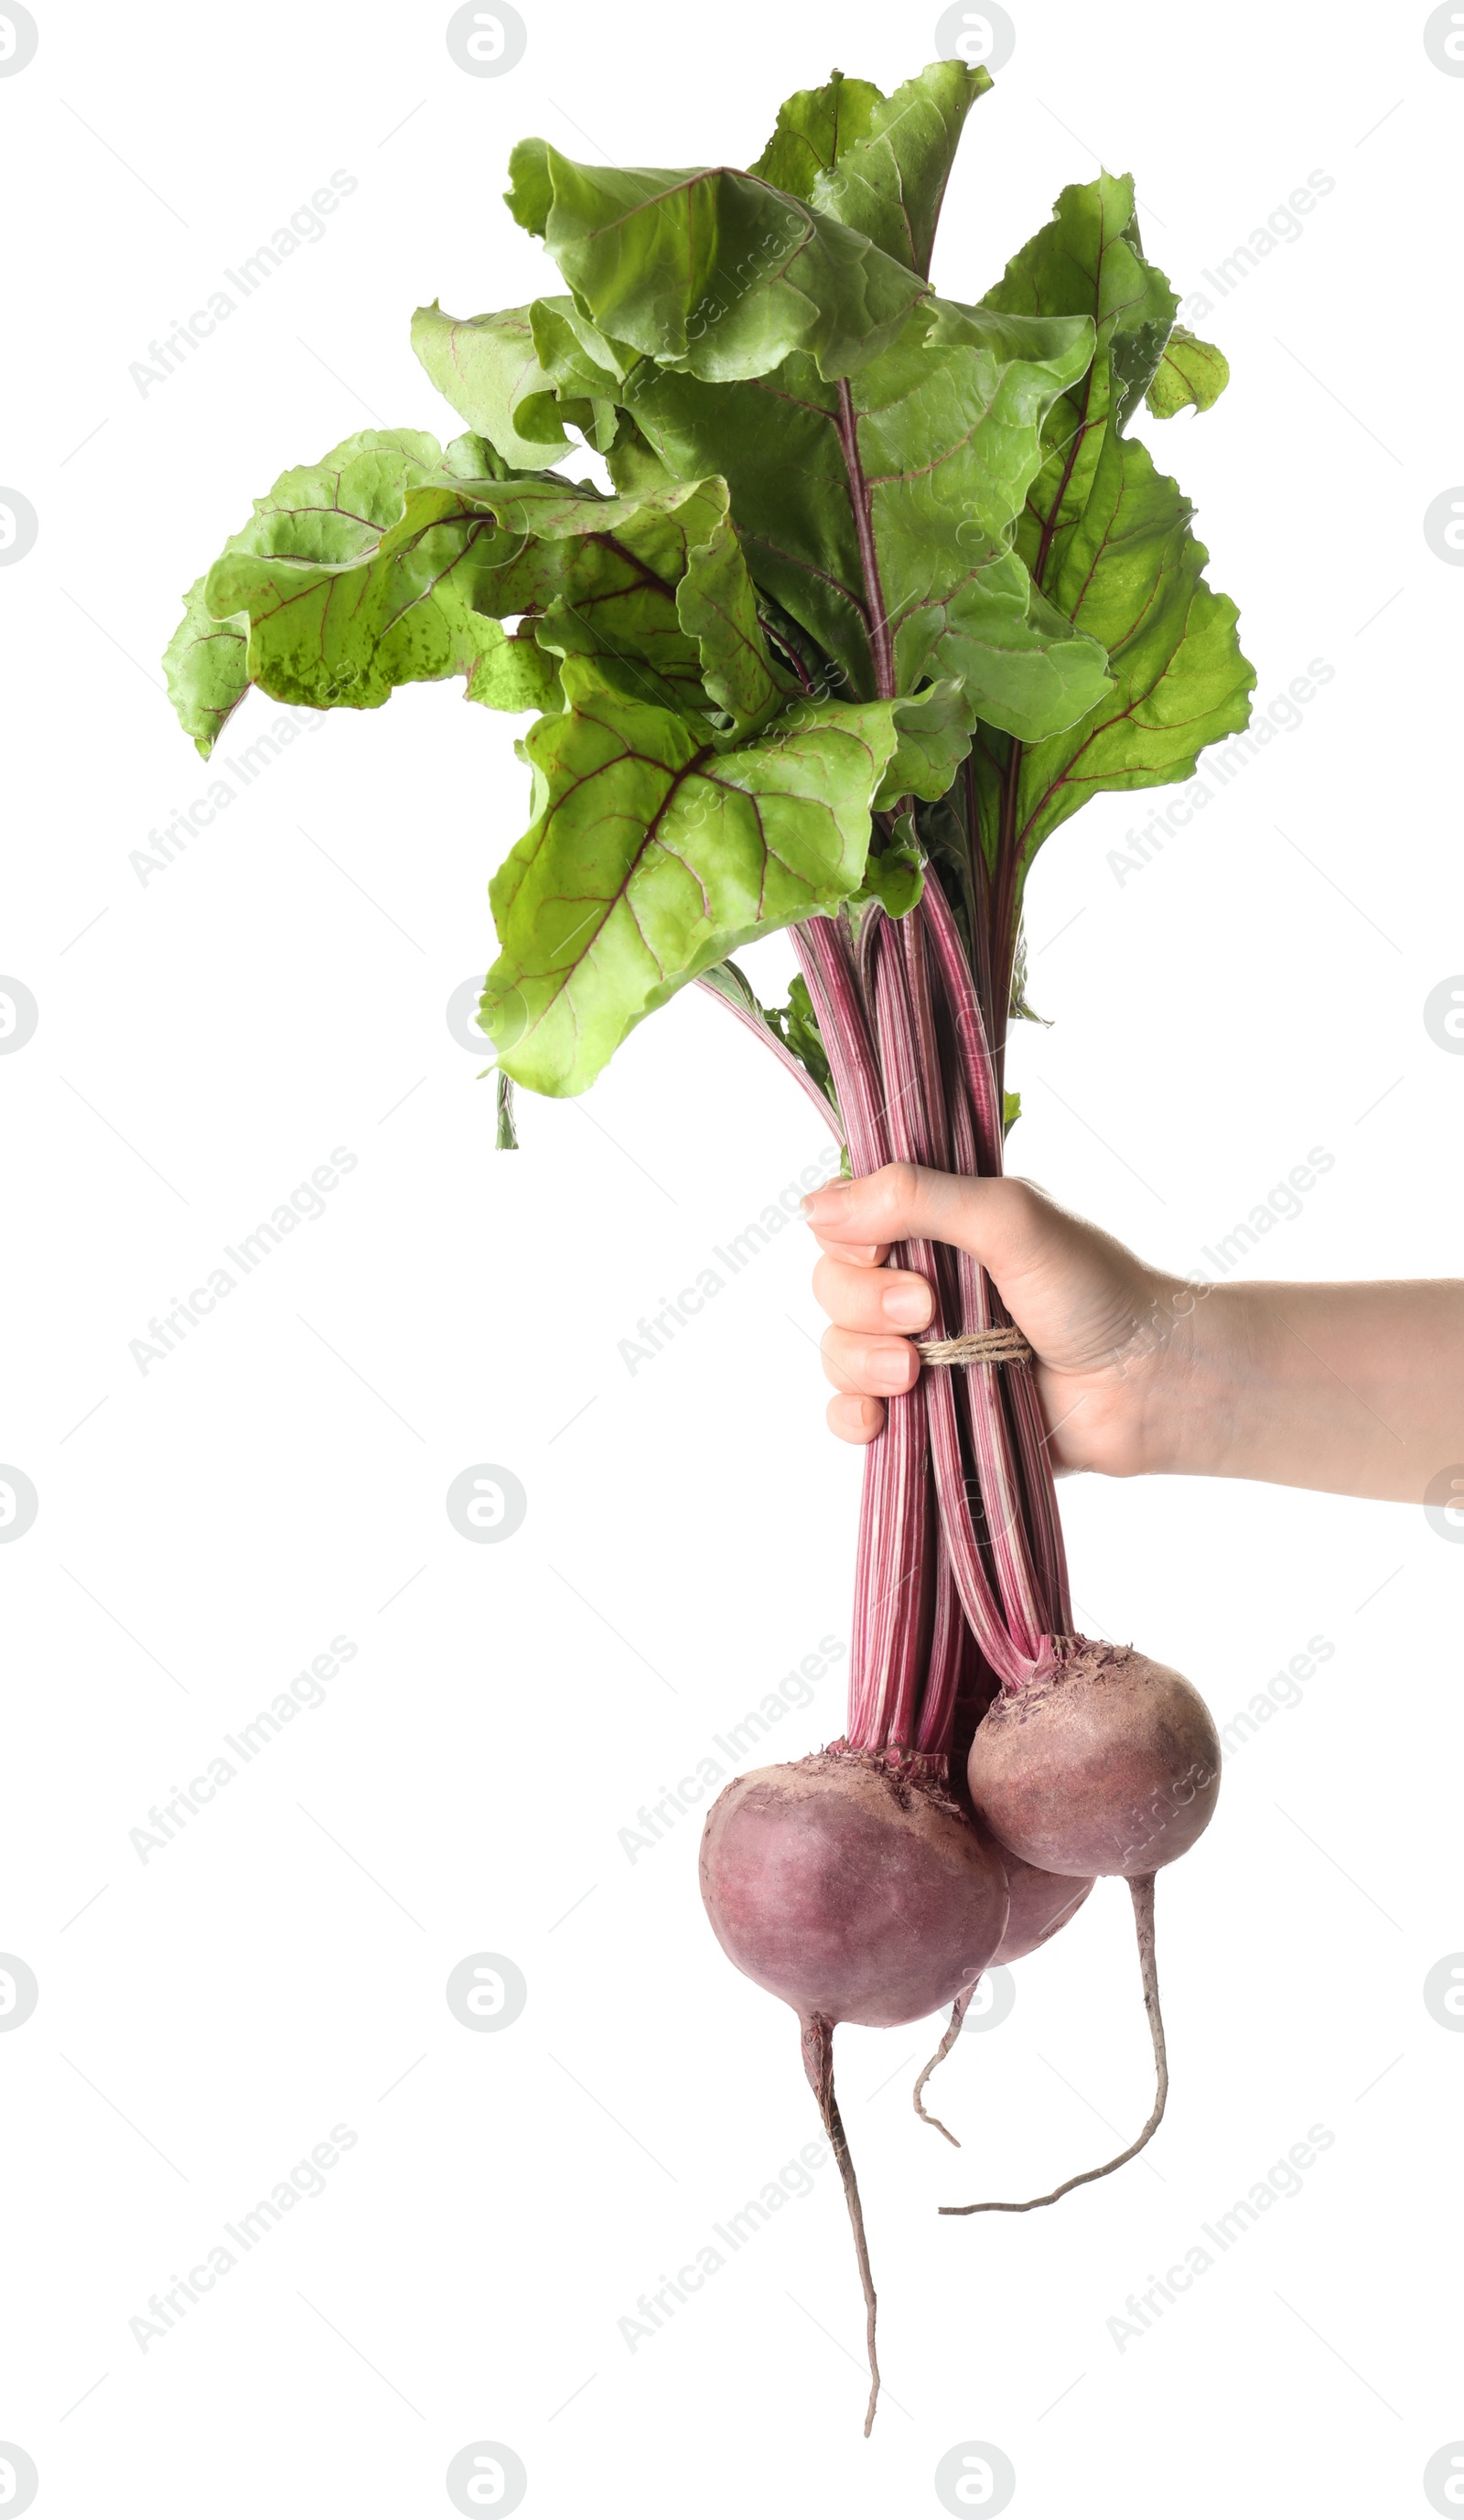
column 977, row 1347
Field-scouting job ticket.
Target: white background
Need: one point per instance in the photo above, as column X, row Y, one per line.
column 207, row 1037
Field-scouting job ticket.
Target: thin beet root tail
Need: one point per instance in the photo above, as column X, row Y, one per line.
column 1142, row 1889
column 953, row 2033
column 818, row 2064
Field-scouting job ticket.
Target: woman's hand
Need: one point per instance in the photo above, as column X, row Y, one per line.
column 1357, row 1388
column 1111, row 1336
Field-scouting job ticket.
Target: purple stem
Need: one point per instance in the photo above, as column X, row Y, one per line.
column 906, row 1119
column 1044, row 1521
column 1010, row 1641
column 947, row 1654
column 828, row 965
column 903, row 1099
column 1005, row 1416
column 893, row 1559
column 882, row 645
column 934, row 913
column 901, row 1024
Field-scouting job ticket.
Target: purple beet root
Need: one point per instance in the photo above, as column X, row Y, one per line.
column 853, row 1885
column 1041, row 1905
column 853, row 1889
column 1107, row 1764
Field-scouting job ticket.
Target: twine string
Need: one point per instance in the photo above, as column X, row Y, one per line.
column 977, row 1347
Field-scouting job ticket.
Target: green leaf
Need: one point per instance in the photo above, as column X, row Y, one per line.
column 515, row 674
column 812, row 129
column 633, row 465
column 651, row 856
column 1133, row 571
column 578, row 359
column 359, row 575
column 1087, row 260
column 895, row 874
column 1189, row 370
column 656, row 582
column 1108, row 540
column 709, row 270
column 877, row 164
column 531, row 188
column 389, row 565
column 586, row 371
column 797, row 1028
column 889, row 181
column 486, row 367
column 1130, row 570
column 1011, row 1111
column 206, row 664
column 328, row 514
column 949, row 440
column 716, row 604
column 934, row 731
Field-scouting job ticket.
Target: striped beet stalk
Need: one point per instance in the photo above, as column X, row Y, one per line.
column 959, row 1542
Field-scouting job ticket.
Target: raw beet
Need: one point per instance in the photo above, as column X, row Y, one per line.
column 1041, row 1905
column 1108, row 1763
column 853, row 1886
column 1104, row 1762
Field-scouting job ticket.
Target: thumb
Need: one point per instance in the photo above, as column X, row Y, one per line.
column 1003, row 1224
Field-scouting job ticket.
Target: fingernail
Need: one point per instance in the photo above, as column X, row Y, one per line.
column 823, row 1205
column 907, row 1305
column 890, row 1367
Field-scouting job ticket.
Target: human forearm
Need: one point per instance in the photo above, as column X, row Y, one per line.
column 1356, row 1388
